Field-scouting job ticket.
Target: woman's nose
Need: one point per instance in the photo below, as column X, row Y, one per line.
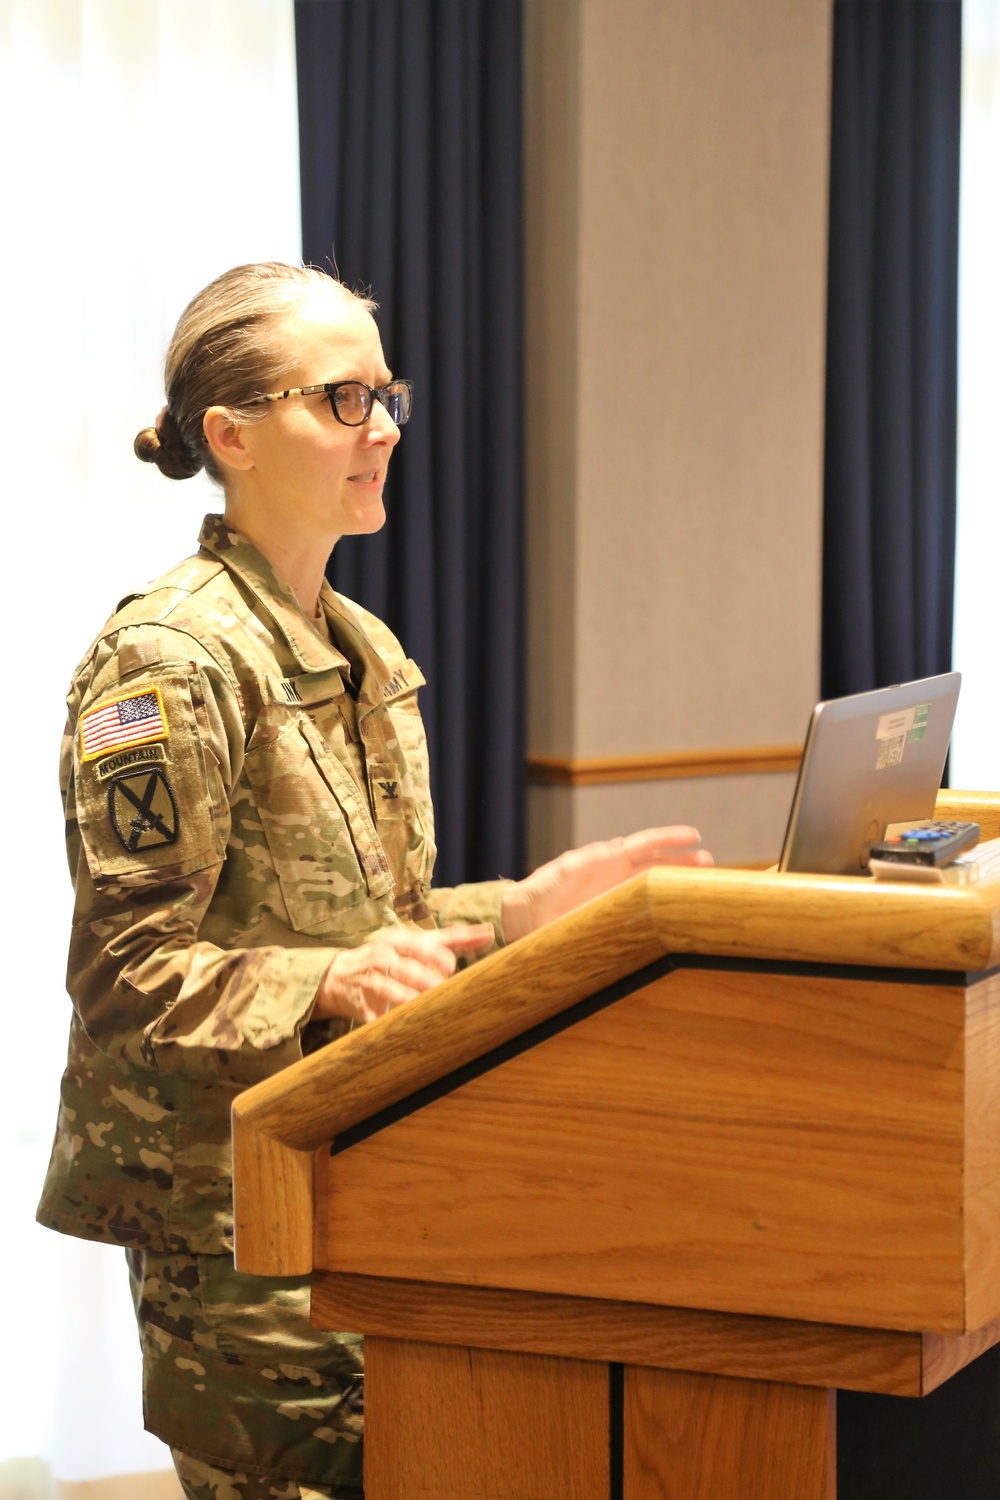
column 380, row 426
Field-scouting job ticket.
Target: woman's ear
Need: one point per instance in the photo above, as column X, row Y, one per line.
column 225, row 437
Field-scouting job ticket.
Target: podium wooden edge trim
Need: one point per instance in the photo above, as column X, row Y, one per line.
column 741, row 1346
column 971, row 807
column 273, row 1205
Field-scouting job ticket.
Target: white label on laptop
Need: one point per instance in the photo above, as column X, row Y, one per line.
column 892, row 725
column 891, row 735
column 890, row 751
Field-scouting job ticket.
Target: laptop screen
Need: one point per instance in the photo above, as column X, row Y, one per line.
column 869, row 760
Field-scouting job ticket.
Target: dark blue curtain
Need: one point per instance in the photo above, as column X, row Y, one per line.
column 410, row 137
column 945, row 1446
column 889, row 524
column 889, row 534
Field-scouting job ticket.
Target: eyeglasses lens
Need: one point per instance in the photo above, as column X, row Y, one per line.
column 352, row 403
column 396, row 398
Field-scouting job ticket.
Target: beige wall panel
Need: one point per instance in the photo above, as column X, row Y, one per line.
column 676, row 174
column 741, row 818
column 676, row 181
column 551, row 188
column 551, row 819
column 704, row 144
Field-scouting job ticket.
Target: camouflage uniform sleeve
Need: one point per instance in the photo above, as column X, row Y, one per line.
column 149, row 826
column 478, row 902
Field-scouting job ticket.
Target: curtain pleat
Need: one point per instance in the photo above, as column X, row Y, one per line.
column 892, row 367
column 889, row 535
column 410, row 144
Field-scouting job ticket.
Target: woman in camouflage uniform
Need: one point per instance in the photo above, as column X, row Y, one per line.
column 251, row 841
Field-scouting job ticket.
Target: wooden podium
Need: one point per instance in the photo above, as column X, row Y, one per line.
column 621, row 1206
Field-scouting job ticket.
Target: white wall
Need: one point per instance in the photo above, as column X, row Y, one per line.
column 975, row 760
column 148, row 146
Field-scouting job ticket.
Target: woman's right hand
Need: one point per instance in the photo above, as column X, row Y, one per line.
column 365, row 982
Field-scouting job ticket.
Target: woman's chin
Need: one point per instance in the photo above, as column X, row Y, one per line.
column 356, row 513
column 365, row 519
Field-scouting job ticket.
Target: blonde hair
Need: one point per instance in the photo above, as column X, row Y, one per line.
column 227, row 348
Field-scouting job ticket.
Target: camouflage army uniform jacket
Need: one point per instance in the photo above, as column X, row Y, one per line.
column 242, row 798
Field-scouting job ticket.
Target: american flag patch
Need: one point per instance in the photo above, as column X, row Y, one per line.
column 136, row 720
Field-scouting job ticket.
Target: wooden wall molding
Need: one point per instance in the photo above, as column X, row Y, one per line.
column 666, row 765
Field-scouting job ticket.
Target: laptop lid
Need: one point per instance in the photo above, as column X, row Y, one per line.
column 869, row 760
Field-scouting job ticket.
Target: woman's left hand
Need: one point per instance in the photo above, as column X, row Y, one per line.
column 581, row 874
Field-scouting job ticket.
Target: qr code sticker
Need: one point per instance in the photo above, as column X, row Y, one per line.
column 890, row 752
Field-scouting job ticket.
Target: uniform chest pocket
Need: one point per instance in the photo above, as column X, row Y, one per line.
column 326, row 853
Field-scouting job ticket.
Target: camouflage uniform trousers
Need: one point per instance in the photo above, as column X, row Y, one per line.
column 254, row 1402
column 201, row 1481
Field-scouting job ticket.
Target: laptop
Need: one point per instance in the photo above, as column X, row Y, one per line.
column 869, row 760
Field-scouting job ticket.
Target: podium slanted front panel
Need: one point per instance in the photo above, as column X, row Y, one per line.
column 756, row 1140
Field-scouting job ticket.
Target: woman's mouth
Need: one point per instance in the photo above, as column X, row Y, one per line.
column 370, row 477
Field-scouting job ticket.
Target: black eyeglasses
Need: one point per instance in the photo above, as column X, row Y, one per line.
column 351, row 401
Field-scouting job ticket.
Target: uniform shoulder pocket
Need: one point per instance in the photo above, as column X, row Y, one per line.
column 145, row 799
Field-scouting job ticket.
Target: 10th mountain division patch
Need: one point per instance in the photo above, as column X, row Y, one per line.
column 143, row 810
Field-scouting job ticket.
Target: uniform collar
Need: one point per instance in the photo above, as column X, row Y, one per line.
column 347, row 628
column 252, row 568
column 312, row 653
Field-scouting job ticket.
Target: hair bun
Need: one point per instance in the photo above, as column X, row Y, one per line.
column 147, row 445
column 163, row 446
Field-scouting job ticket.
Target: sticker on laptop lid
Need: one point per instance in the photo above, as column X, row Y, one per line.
column 890, row 751
column 896, row 731
column 891, row 736
column 918, row 729
column 890, row 726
